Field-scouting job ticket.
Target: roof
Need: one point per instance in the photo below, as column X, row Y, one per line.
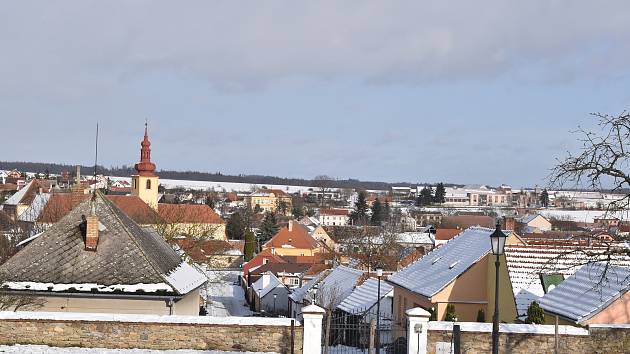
column 188, row 213
column 590, row 290
column 56, row 207
column 339, row 283
column 199, row 251
column 440, row 267
column 446, row 234
column 466, row 221
column 415, row 237
column 526, row 263
column 364, row 296
column 287, row 268
column 17, row 197
column 298, row 295
column 128, row 258
column 343, row 212
column 135, row 208
column 265, row 192
column 259, row 285
column 34, row 211
column 526, row 219
column 298, row 237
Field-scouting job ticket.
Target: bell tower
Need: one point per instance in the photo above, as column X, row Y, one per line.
column 145, row 184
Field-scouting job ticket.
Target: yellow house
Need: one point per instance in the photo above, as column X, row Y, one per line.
column 292, row 240
column 271, row 200
column 461, row 273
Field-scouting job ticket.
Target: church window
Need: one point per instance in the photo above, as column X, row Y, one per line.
column 148, row 184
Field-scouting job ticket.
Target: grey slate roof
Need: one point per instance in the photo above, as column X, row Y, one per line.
column 126, row 254
column 364, row 296
column 440, row 267
column 582, row 296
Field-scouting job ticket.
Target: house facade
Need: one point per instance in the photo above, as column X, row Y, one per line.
column 270, row 200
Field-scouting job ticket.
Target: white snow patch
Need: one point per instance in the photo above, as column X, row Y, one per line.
column 507, row 328
column 224, row 297
column 128, row 288
column 185, row 278
column 136, row 318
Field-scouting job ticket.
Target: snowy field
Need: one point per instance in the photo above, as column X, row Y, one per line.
column 42, row 349
column 224, row 296
column 221, row 186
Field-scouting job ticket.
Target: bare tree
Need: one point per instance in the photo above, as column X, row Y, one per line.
column 324, row 185
column 602, row 164
column 328, row 297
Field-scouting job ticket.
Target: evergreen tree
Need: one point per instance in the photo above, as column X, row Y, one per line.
column 544, row 198
column 210, row 200
column 481, row 316
column 450, row 313
column 377, row 213
column 359, row 215
column 235, row 228
column 425, row 197
column 535, row 314
column 250, row 245
column 268, row 227
column 440, row 193
column 387, row 210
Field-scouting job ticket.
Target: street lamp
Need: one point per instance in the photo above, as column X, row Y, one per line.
column 274, row 303
column 497, row 239
column 379, row 274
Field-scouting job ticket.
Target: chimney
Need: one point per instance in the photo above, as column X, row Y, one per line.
column 290, row 225
column 77, row 189
column 91, row 233
column 266, row 279
column 509, row 223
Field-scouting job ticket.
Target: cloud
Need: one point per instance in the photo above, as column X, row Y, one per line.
column 76, row 46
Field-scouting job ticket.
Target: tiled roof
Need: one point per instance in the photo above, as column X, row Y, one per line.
column 135, row 208
column 466, row 221
column 126, row 255
column 276, row 268
column 446, row 234
column 587, row 292
column 298, row 237
column 265, row 192
column 526, row 263
column 343, row 212
column 299, row 295
column 201, row 251
column 33, row 212
column 188, row 213
column 440, row 267
column 57, row 206
column 17, row 197
column 364, row 296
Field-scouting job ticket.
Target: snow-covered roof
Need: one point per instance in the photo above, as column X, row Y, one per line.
column 364, row 296
column 299, row 294
column 265, row 285
column 526, row 263
column 35, row 209
column 415, row 237
column 339, row 283
column 17, row 196
column 587, row 292
column 526, row 219
column 431, row 273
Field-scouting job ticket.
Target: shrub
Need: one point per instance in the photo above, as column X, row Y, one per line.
column 481, row 316
column 450, row 313
column 535, row 314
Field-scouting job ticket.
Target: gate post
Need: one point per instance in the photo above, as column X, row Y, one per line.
column 417, row 329
column 312, row 318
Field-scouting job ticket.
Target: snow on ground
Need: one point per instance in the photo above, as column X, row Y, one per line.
column 224, row 296
column 221, row 186
column 42, row 349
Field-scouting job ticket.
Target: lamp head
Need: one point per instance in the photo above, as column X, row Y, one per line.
column 497, row 240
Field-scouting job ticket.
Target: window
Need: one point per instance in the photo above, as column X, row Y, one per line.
column 294, row 281
column 148, row 184
column 265, row 260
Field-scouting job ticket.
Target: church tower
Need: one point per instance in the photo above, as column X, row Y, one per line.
column 145, row 184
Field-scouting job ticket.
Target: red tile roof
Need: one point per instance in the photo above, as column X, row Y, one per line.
column 446, row 234
column 200, row 251
column 334, row 212
column 135, row 208
column 298, row 237
column 466, row 221
column 188, row 213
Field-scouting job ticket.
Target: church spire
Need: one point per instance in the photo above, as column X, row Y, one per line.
column 145, row 167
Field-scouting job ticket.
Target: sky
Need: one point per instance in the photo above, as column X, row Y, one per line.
column 455, row 91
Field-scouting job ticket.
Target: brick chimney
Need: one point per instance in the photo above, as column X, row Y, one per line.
column 91, row 232
column 290, row 225
column 77, row 189
column 509, row 223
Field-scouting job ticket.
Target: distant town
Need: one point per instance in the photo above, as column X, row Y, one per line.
column 75, row 242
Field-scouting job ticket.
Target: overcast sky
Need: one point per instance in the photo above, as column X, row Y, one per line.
column 463, row 92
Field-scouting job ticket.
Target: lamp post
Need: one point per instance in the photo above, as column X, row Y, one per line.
column 497, row 239
column 274, row 303
column 379, row 274
column 259, row 299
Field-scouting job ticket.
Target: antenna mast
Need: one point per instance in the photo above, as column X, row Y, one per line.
column 96, row 153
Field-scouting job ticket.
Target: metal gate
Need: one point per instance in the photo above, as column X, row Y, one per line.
column 357, row 333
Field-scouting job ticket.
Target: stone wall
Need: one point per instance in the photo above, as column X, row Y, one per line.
column 150, row 332
column 595, row 340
